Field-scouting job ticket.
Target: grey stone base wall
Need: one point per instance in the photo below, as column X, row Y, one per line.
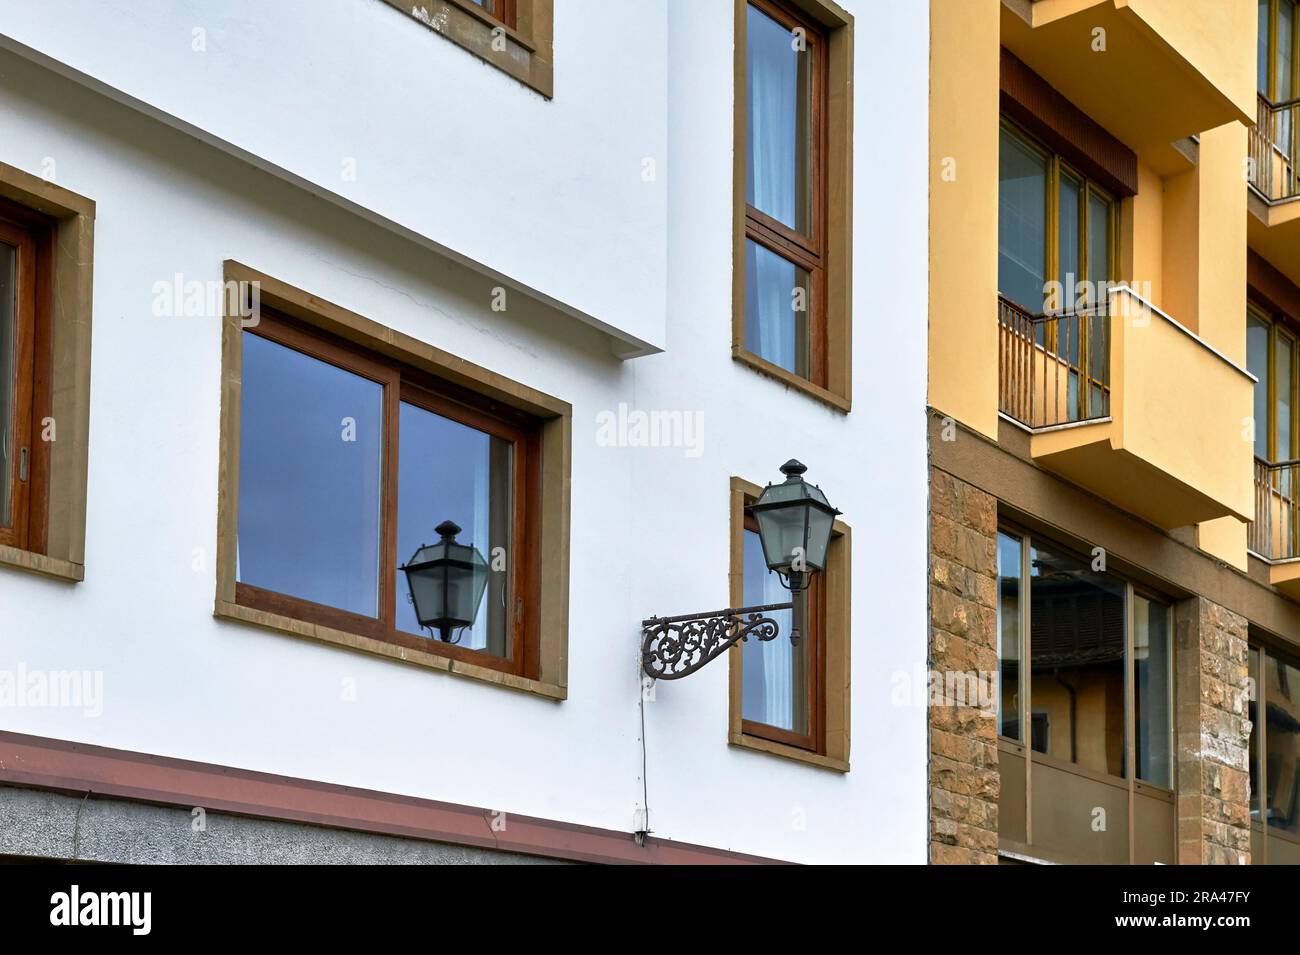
column 54, row 826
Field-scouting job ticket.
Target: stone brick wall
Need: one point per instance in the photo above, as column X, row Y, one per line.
column 964, row 782
column 1213, row 735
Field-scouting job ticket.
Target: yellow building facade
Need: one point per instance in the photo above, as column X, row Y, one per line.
column 1114, row 339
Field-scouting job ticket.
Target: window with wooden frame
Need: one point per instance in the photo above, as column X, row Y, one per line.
column 1273, row 357
column 1278, row 40
column 791, row 700
column 24, row 375
column 793, row 152
column 1086, row 663
column 515, row 36
column 502, row 10
column 1057, row 254
column 343, row 452
column 46, row 257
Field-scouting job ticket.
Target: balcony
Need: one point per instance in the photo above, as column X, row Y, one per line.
column 1273, row 228
column 1274, row 535
column 1104, row 395
column 1152, row 72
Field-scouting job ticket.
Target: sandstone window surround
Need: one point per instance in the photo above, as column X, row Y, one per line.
column 53, row 231
column 512, row 35
column 824, row 740
column 535, row 661
column 792, row 209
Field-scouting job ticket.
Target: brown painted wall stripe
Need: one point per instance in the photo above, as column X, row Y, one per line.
column 1034, row 104
column 1271, row 288
column 81, row 768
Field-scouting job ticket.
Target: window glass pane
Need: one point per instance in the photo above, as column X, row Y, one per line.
column 1283, row 70
column 310, row 465
column 1282, row 397
column 779, row 96
column 1152, row 673
column 1068, row 238
column 1098, row 242
column 1257, row 331
column 1285, row 49
column 1252, row 706
column 1022, row 223
column 1262, row 46
column 776, row 677
column 8, row 376
column 1009, row 635
column 448, row 471
column 1282, row 744
column 1077, row 667
column 777, row 299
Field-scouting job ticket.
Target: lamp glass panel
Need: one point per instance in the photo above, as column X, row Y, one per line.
column 819, row 536
column 448, row 470
column 427, row 593
column 310, row 478
column 782, row 532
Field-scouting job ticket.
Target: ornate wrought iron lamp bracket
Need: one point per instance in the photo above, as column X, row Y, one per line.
column 674, row 647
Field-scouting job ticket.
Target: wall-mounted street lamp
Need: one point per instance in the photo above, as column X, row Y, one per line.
column 447, row 580
column 794, row 524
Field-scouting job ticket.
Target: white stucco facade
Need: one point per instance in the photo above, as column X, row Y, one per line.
column 234, row 152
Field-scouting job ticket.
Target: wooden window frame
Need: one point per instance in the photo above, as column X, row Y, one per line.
column 32, row 236
column 826, row 745
column 517, row 40
column 57, row 256
column 814, row 632
column 539, row 425
column 1271, row 94
column 400, row 385
column 1058, row 166
column 825, row 252
column 1277, row 326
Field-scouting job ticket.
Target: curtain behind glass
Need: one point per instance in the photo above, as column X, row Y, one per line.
column 778, row 91
column 774, row 329
column 775, row 675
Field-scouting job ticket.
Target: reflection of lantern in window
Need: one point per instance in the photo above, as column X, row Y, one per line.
column 447, row 580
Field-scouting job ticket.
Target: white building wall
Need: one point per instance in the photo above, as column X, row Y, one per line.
column 650, row 525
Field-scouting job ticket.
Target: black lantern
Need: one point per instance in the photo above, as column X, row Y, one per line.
column 794, row 522
column 447, row 581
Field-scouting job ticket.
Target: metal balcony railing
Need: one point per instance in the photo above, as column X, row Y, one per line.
column 1273, row 149
column 1053, row 369
column 1275, row 532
